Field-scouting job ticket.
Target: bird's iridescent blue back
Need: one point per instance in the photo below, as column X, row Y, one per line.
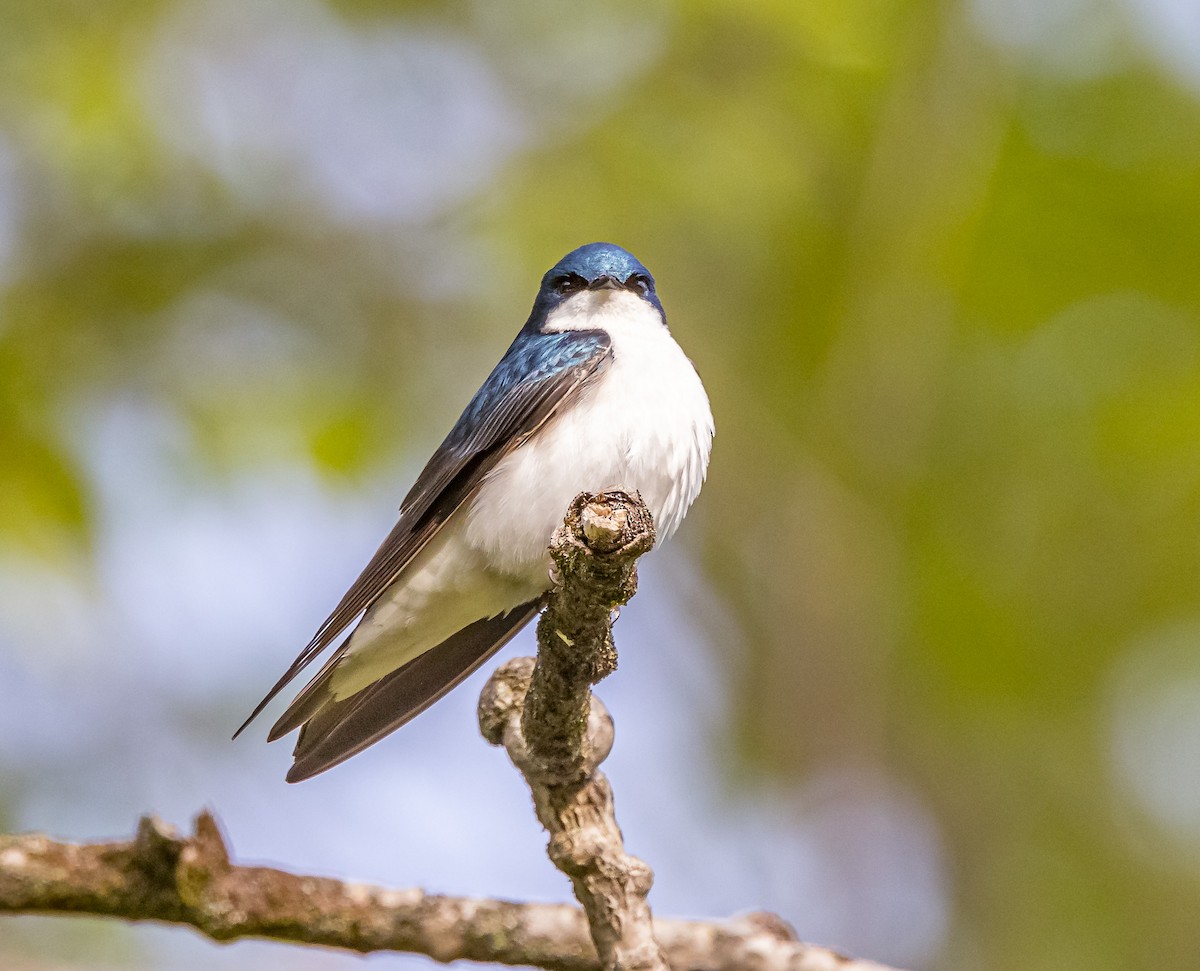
column 531, row 360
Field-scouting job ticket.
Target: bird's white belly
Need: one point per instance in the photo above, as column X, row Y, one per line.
column 645, row 424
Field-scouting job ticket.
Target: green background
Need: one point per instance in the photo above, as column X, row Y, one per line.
column 936, row 264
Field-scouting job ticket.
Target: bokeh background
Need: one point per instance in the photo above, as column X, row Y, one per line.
column 922, row 670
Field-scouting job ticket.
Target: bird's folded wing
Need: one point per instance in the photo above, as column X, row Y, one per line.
column 343, row 728
column 537, row 376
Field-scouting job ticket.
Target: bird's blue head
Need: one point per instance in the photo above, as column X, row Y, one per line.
column 591, row 268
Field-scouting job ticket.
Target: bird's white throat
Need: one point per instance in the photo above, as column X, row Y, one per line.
column 600, row 309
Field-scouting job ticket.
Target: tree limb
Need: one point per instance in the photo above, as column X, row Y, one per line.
column 161, row 875
column 557, row 734
column 554, row 731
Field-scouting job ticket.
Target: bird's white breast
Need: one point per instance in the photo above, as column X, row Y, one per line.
column 643, row 423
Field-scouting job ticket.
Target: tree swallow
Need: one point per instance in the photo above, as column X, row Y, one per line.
column 593, row 394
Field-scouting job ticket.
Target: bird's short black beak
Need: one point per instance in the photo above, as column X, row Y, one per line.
column 605, row 282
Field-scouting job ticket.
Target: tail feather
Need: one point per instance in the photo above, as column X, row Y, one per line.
column 332, row 731
column 313, row 697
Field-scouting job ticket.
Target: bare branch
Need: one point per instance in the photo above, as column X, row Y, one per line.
column 557, row 734
column 163, row 876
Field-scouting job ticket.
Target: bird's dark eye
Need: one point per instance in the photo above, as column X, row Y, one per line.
column 569, row 283
column 639, row 283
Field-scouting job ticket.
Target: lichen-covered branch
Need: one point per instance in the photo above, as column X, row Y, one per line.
column 595, row 553
column 557, row 734
column 161, row 875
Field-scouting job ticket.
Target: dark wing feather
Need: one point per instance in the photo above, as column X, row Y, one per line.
column 536, row 375
column 346, row 727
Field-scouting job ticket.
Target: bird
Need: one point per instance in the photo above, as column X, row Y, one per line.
column 593, row 394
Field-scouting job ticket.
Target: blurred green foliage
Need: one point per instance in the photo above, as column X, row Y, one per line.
column 941, row 285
